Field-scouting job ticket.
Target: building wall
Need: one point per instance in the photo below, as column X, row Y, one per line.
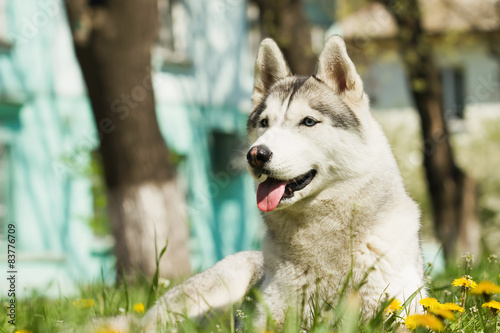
column 385, row 79
column 52, row 140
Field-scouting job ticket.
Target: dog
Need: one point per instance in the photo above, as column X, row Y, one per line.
column 331, row 196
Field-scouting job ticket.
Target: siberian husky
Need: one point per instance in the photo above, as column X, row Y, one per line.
column 331, row 196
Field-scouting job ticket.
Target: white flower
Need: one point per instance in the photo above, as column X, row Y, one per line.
column 240, row 314
column 164, row 282
column 469, row 258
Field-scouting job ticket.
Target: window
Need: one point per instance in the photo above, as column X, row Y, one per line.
column 172, row 35
column 453, row 92
column 224, row 151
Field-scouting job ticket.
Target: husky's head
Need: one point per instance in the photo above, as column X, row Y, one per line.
column 306, row 132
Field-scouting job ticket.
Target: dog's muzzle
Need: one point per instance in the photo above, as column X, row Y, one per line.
column 258, row 156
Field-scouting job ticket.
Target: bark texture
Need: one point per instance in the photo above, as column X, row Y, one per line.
column 453, row 193
column 286, row 22
column 112, row 42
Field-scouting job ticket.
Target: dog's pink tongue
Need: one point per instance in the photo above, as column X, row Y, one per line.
column 269, row 194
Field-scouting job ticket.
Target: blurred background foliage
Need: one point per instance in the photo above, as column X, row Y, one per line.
column 477, row 151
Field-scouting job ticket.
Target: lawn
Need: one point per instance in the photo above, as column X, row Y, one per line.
column 460, row 301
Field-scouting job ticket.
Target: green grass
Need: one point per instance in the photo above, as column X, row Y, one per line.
column 69, row 314
column 40, row 314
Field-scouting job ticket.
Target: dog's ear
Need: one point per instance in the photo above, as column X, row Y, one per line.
column 337, row 70
column 270, row 67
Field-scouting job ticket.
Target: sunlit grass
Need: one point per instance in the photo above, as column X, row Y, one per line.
column 463, row 298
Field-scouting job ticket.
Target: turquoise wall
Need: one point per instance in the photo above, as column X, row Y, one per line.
column 51, row 137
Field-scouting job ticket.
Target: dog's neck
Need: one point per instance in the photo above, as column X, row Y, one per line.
column 342, row 212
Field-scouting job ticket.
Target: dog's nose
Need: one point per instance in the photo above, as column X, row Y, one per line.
column 258, row 156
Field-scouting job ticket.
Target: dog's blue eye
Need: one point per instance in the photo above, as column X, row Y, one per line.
column 264, row 122
column 309, row 121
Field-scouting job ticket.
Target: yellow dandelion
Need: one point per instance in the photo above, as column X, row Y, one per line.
column 492, row 305
column 452, row 307
column 486, row 287
column 429, row 302
column 88, row 303
column 106, row 330
column 428, row 321
column 394, row 306
column 139, row 307
column 85, row 303
column 465, row 282
column 23, row 331
column 440, row 312
column 432, row 304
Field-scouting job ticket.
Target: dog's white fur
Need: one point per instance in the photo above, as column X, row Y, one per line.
column 355, row 215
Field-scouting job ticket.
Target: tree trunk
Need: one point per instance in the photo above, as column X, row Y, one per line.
column 112, row 41
column 286, row 22
column 453, row 193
